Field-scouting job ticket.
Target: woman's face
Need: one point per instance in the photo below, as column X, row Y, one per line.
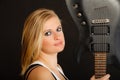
column 53, row 37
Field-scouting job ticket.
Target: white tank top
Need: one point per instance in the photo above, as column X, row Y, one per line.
column 57, row 78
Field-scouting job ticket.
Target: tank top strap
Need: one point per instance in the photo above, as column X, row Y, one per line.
column 30, row 68
column 38, row 63
column 54, row 75
column 61, row 72
column 33, row 66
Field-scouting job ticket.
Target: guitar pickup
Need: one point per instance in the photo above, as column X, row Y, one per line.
column 100, row 47
column 100, row 30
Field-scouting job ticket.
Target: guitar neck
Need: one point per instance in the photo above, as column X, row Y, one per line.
column 100, row 64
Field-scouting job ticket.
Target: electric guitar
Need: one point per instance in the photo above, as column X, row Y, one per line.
column 102, row 18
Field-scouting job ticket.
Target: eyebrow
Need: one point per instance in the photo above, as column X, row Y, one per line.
column 50, row 29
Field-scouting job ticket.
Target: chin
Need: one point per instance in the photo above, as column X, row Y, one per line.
column 60, row 50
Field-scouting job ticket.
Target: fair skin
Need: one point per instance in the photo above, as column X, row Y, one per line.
column 53, row 43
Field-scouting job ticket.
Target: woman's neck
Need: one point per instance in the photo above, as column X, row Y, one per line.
column 50, row 60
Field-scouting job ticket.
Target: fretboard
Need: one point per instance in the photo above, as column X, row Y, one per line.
column 100, row 64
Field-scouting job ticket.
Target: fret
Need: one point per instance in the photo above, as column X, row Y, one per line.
column 100, row 68
column 104, row 57
column 100, row 72
column 99, row 59
column 100, row 64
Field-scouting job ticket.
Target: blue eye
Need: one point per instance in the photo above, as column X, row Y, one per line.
column 48, row 33
column 59, row 29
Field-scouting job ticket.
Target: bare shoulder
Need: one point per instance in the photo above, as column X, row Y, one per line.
column 40, row 73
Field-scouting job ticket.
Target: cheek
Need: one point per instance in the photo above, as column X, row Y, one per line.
column 63, row 38
column 46, row 44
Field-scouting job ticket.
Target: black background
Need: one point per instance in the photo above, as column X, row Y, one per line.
column 12, row 17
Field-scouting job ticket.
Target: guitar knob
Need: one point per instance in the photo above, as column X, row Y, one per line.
column 79, row 14
column 75, row 6
column 83, row 23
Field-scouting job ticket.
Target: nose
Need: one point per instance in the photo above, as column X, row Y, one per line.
column 57, row 36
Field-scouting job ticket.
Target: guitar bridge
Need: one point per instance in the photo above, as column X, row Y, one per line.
column 100, row 21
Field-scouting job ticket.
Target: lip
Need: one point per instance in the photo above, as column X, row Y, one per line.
column 58, row 43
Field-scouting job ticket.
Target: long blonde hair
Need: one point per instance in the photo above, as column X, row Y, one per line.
column 32, row 36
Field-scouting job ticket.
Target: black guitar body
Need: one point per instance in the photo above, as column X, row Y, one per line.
column 97, row 13
column 98, row 22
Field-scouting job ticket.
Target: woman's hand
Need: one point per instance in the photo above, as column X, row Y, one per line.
column 106, row 77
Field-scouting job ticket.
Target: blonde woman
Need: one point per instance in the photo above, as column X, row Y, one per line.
column 42, row 40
